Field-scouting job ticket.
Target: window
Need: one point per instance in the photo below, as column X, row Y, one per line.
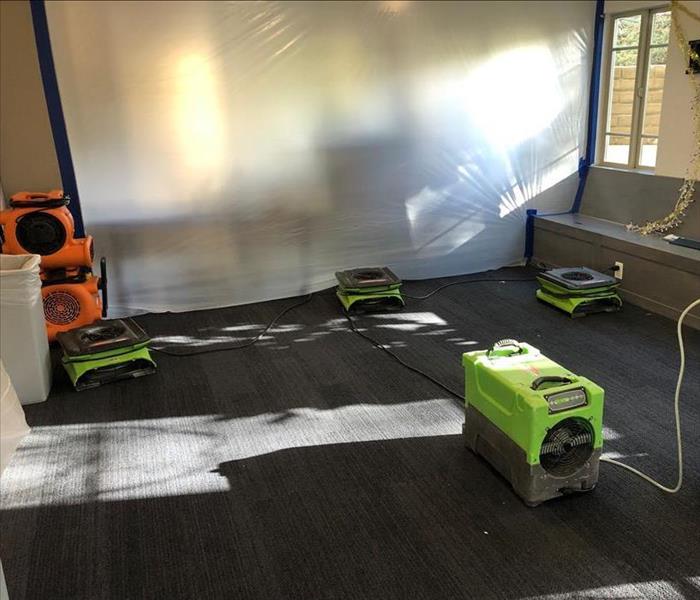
column 636, row 69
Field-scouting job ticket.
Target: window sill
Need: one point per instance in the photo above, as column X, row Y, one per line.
column 624, row 169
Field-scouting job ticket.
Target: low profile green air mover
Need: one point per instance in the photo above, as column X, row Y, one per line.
column 105, row 351
column 579, row 291
column 369, row 289
column 538, row 424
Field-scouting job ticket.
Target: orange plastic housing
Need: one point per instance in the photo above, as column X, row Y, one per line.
column 70, row 305
column 67, row 273
column 53, row 227
column 37, row 196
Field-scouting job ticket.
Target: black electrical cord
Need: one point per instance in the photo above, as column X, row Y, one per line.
column 284, row 312
column 398, row 359
column 40, row 205
column 353, row 328
column 463, row 281
column 250, row 342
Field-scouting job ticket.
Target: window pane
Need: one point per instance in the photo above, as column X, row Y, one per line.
column 623, row 83
column 655, row 90
column 658, row 56
column 617, row 149
column 647, row 152
column 627, row 31
column 661, row 28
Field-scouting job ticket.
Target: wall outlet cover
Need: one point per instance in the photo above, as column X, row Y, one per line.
column 619, row 271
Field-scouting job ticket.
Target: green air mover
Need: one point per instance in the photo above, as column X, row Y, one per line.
column 105, row 351
column 369, row 289
column 539, row 425
column 579, row 291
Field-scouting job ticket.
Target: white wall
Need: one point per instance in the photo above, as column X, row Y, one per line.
column 27, row 155
column 676, row 139
column 617, row 6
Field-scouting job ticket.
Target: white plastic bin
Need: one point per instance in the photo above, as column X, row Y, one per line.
column 24, row 347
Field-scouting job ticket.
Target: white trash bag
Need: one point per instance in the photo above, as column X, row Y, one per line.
column 24, row 347
column 13, row 425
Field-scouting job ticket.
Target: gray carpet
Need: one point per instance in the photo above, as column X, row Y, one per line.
column 314, row 466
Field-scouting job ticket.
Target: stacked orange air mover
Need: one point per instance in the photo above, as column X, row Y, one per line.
column 40, row 223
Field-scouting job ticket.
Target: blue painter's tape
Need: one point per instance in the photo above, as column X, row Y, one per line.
column 593, row 98
column 530, row 232
column 586, row 161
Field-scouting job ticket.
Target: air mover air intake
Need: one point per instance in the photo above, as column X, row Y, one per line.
column 537, row 423
column 106, row 351
column 369, row 289
column 40, row 223
column 72, row 299
column 579, row 291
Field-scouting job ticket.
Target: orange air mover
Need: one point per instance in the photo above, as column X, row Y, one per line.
column 71, row 299
column 40, row 223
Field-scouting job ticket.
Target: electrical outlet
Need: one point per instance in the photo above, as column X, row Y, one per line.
column 620, row 267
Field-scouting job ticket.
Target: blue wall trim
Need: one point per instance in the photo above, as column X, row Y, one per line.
column 530, row 232
column 593, row 95
column 53, row 103
column 589, row 158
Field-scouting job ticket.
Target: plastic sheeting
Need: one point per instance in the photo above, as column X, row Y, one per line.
column 228, row 152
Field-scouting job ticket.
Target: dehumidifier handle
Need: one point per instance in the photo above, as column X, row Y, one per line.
column 549, row 379
column 507, row 343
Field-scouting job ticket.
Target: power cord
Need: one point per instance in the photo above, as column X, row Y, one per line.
column 461, row 282
column 398, row 359
column 679, row 440
column 306, row 299
column 250, row 342
column 374, row 342
column 284, row 312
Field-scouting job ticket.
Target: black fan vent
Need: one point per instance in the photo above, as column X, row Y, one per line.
column 369, row 275
column 61, row 308
column 577, row 276
column 102, row 333
column 566, row 447
column 40, row 233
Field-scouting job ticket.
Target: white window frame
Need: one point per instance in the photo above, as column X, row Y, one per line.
column 641, row 75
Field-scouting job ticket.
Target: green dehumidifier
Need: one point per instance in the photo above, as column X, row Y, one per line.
column 105, row 351
column 369, row 289
column 538, row 424
column 579, row 291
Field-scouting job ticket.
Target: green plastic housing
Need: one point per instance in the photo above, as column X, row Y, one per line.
column 499, row 385
column 578, row 303
column 389, row 296
column 77, row 367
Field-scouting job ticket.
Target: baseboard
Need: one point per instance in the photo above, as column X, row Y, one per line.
column 692, row 319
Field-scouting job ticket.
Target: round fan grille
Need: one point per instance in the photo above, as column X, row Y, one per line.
column 101, row 333
column 577, row 276
column 61, row 308
column 40, row 233
column 566, row 447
